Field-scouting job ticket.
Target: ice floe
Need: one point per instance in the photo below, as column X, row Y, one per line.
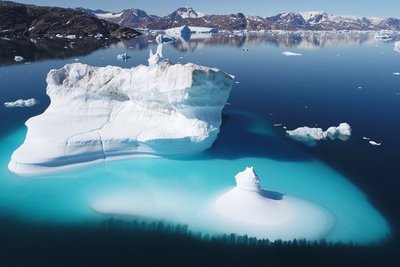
column 123, row 57
column 21, row 103
column 96, row 113
column 374, row 143
column 311, row 135
column 397, row 46
column 291, row 54
column 18, row 58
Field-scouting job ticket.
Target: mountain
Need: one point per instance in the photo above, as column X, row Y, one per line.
column 312, row 20
column 20, row 20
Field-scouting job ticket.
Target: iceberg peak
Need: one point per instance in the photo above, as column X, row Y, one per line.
column 157, row 57
column 248, row 180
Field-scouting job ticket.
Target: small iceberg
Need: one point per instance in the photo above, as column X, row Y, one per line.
column 311, row 135
column 21, row 103
column 162, row 39
column 396, row 73
column 248, row 203
column 18, row 58
column 374, row 143
column 123, row 57
column 397, row 46
column 291, row 54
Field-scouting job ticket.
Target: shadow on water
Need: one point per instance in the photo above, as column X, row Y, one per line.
column 115, row 242
column 245, row 135
column 45, row 49
column 273, row 195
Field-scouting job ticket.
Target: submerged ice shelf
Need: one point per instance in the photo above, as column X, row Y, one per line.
column 95, row 113
column 245, row 209
column 277, row 213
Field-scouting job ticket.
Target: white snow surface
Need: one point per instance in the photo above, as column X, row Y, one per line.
column 311, row 135
column 21, row 103
column 101, row 112
column 291, row 54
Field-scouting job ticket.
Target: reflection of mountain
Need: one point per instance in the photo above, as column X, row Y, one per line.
column 36, row 50
column 305, row 40
column 137, row 18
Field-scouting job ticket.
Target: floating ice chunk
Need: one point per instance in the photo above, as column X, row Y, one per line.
column 366, row 138
column 18, row 58
column 374, row 143
column 157, row 57
column 21, row 103
column 71, row 36
column 164, row 39
column 291, row 54
column 59, row 36
column 183, row 31
column 397, row 46
column 278, row 124
column 277, row 213
column 98, row 36
column 96, row 113
column 311, row 135
column 396, row 73
column 123, row 57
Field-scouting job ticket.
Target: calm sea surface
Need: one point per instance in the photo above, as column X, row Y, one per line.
column 339, row 78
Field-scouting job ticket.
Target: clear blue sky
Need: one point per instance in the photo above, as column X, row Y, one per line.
column 381, row 8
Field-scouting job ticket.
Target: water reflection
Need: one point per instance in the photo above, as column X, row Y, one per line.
column 42, row 49
column 304, row 40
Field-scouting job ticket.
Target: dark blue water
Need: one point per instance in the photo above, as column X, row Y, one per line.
column 320, row 88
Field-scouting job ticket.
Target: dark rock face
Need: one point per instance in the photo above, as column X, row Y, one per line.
column 136, row 18
column 19, row 20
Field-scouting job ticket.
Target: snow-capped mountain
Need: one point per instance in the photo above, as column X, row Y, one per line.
column 187, row 12
column 310, row 20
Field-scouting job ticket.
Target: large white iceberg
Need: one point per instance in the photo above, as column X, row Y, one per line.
column 311, row 135
column 101, row 112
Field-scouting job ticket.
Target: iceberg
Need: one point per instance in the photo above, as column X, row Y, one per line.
column 21, row 103
column 311, row 135
column 96, row 113
column 123, row 57
column 374, row 143
column 248, row 203
column 164, row 39
column 18, row 58
column 186, row 31
column 397, row 46
column 291, row 54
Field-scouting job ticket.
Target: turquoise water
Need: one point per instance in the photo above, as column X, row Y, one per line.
column 272, row 89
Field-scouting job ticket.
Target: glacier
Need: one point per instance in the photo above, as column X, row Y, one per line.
column 163, row 110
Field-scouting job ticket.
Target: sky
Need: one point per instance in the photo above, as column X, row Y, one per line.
column 367, row 8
